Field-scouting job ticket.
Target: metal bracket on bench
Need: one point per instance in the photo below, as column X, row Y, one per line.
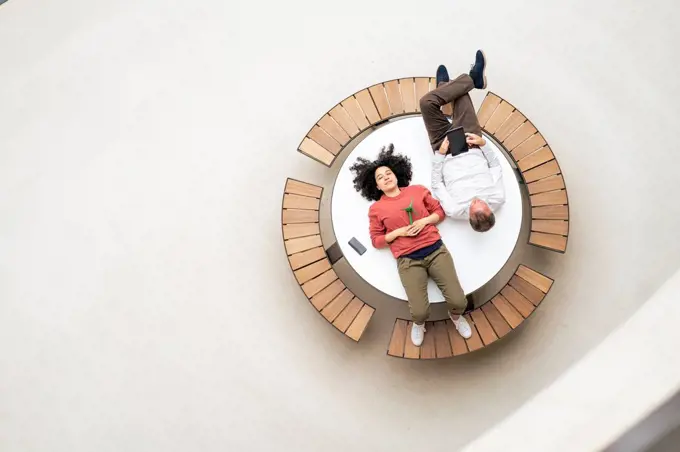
column 334, row 253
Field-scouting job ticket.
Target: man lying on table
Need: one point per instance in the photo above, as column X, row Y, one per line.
column 469, row 183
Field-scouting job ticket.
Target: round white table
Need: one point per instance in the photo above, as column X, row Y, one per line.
column 478, row 257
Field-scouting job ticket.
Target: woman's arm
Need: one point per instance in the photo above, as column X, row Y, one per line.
column 376, row 230
column 380, row 238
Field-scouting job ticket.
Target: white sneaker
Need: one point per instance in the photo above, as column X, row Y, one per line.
column 462, row 326
column 417, row 334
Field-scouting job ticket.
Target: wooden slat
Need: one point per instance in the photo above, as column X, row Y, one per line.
column 296, row 187
column 352, row 107
column 535, row 278
column 333, row 309
column 475, row 341
column 551, row 183
column 300, row 202
column 511, row 124
column 380, row 99
column 292, row 231
column 517, row 300
column 458, row 345
column 489, row 105
column 484, row 327
column 551, row 241
column 530, row 292
column 410, row 350
column 519, row 135
column 559, row 227
column 394, row 96
column 333, row 129
column 509, row 313
column 366, row 102
column 358, row 326
column 433, row 83
column 312, row 271
column 539, row 157
column 408, row 94
column 327, row 294
column 550, row 213
column 399, row 336
column 347, row 316
column 302, row 244
column 541, row 172
column 441, row 340
column 314, row 150
column 498, row 117
column 532, row 144
column 396, row 347
column 324, row 140
column 294, row 216
column 427, row 350
column 422, row 88
column 299, row 260
column 549, row 198
column 500, row 326
column 311, row 288
column 342, row 117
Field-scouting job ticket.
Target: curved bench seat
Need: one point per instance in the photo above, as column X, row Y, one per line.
column 310, row 264
column 538, row 166
column 490, row 322
column 360, row 111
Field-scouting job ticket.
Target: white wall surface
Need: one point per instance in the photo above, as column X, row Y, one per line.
column 145, row 299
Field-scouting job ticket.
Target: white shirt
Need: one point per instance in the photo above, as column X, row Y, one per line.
column 456, row 180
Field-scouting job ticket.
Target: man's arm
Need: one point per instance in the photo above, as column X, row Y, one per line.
column 496, row 197
column 438, row 187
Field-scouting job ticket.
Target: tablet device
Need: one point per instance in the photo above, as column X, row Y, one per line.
column 457, row 143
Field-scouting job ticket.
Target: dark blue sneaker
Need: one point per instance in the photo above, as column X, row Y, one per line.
column 477, row 70
column 442, row 75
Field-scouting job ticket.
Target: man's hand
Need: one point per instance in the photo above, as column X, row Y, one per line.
column 474, row 140
column 444, row 148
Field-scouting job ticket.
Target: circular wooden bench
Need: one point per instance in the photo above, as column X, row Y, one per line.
column 371, row 107
column 503, row 313
column 310, row 264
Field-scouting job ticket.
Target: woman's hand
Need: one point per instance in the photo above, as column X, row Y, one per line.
column 417, row 226
column 394, row 235
column 474, row 140
column 420, row 224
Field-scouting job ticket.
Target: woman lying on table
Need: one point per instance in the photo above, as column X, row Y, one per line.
column 403, row 217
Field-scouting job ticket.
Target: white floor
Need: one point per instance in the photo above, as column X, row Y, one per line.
column 145, row 300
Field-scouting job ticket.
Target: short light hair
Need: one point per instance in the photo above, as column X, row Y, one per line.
column 481, row 222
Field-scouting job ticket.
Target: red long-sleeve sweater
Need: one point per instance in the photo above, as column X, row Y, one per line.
column 388, row 214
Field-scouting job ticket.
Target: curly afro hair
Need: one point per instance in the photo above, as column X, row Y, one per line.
column 364, row 172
